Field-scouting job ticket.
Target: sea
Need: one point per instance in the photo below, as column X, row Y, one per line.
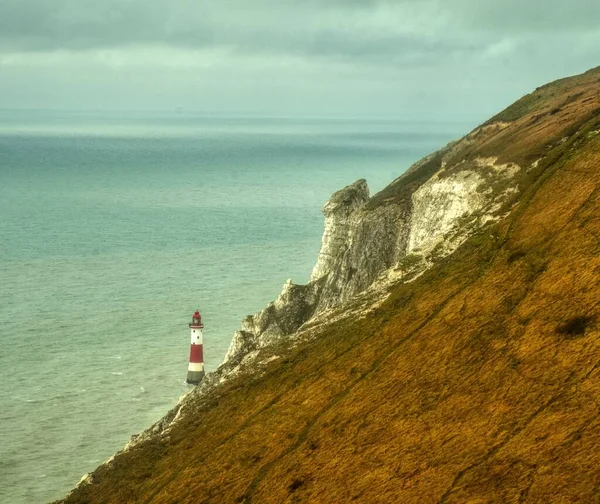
column 116, row 227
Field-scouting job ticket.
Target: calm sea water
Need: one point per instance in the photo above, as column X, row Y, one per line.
column 115, row 228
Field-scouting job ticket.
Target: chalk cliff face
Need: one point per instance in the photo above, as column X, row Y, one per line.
column 295, row 305
column 338, row 212
column 369, row 242
column 423, row 216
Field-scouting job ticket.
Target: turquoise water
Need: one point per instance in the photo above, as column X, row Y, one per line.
column 115, row 228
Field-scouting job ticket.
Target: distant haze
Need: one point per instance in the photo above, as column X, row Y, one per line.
column 417, row 59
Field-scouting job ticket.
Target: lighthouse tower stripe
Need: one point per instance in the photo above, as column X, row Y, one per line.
column 196, row 366
column 196, row 354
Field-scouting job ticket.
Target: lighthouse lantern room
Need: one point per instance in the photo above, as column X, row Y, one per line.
column 196, row 366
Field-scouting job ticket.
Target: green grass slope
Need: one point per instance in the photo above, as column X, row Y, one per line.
column 478, row 382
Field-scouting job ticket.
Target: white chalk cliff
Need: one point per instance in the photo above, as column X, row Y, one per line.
column 421, row 217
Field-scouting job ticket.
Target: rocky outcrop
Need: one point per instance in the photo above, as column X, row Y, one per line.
column 338, row 212
column 422, row 216
column 295, row 305
column 376, row 240
column 358, row 243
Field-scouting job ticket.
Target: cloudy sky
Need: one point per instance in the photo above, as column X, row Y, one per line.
column 444, row 59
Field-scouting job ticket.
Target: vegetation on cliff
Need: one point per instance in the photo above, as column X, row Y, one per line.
column 477, row 382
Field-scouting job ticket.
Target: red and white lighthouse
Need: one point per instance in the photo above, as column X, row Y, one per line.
column 196, row 367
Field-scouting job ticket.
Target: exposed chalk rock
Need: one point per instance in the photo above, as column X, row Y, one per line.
column 294, row 306
column 376, row 240
column 439, row 204
column 338, row 212
column 425, row 214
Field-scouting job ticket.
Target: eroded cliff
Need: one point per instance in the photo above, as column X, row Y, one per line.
column 420, row 218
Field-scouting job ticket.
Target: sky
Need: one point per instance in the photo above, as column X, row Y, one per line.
column 414, row 59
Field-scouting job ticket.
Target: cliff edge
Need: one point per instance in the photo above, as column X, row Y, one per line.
column 423, row 216
column 446, row 349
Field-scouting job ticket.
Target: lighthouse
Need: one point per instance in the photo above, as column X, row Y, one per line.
column 196, row 367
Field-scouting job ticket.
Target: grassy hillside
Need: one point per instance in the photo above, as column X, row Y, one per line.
column 478, row 382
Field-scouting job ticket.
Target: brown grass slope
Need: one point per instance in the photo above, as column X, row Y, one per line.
column 479, row 382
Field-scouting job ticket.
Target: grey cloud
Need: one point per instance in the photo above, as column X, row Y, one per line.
column 333, row 29
column 528, row 16
column 411, row 58
column 327, row 28
column 70, row 24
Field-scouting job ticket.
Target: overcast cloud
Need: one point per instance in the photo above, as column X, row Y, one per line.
column 414, row 58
